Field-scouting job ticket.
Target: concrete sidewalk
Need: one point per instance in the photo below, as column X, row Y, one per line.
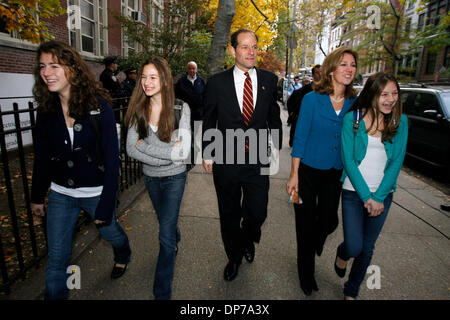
column 412, row 252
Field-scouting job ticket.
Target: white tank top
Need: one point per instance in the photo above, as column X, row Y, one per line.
column 372, row 166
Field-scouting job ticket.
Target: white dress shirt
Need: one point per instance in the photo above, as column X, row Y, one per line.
column 192, row 80
column 239, row 79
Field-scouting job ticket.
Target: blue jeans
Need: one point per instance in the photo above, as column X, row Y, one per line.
column 166, row 194
column 360, row 234
column 62, row 215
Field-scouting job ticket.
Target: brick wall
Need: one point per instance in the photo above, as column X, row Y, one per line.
column 19, row 57
column 16, row 60
column 114, row 31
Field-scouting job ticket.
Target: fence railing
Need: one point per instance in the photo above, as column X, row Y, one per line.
column 23, row 240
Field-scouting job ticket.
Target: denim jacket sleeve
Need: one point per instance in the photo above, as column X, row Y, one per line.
column 395, row 162
column 349, row 159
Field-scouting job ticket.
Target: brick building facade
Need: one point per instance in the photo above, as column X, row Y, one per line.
column 98, row 33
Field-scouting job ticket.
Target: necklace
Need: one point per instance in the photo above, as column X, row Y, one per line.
column 337, row 100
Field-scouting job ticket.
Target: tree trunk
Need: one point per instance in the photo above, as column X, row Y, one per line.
column 219, row 41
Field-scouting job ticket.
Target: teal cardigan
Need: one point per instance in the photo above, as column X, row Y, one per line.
column 353, row 151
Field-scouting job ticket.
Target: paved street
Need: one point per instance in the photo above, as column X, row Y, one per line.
column 412, row 252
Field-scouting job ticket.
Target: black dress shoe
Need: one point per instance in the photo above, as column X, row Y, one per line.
column 117, row 272
column 319, row 250
column 314, row 285
column 249, row 253
column 231, row 271
column 339, row 271
column 308, row 285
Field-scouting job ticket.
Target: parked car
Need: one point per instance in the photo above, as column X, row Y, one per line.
column 428, row 111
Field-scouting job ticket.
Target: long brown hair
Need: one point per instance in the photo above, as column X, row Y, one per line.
column 330, row 64
column 368, row 100
column 139, row 107
column 84, row 89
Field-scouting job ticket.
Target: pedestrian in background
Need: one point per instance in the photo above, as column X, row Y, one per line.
column 153, row 139
column 130, row 82
column 190, row 88
column 295, row 100
column 108, row 78
column 316, row 160
column 294, row 86
column 374, row 136
column 66, row 160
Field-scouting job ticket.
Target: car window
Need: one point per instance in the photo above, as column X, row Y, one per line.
column 445, row 96
column 424, row 101
column 404, row 99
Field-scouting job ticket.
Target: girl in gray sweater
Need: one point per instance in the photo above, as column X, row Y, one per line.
column 154, row 140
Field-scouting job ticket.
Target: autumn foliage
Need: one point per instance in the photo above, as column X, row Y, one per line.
column 26, row 17
column 269, row 62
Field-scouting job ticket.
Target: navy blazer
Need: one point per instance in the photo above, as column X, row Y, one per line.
column 222, row 111
column 317, row 139
column 57, row 161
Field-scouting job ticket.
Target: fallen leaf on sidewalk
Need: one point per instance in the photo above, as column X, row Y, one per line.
column 123, row 219
column 128, row 228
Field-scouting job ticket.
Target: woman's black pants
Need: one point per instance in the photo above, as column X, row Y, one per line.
column 317, row 216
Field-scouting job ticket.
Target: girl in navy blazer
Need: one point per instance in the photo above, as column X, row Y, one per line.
column 66, row 160
column 316, row 160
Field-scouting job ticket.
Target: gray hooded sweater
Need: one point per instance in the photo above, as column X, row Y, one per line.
column 162, row 159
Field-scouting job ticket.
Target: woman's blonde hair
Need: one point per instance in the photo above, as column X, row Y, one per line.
column 139, row 107
column 325, row 85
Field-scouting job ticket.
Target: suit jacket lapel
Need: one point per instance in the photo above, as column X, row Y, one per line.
column 259, row 98
column 326, row 108
column 231, row 88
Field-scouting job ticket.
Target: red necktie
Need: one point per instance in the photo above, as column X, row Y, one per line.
column 247, row 104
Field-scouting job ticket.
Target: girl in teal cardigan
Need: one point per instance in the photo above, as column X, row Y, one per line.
column 374, row 136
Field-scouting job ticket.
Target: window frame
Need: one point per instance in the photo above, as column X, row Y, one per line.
column 100, row 46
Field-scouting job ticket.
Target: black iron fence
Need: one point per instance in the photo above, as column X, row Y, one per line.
column 23, row 241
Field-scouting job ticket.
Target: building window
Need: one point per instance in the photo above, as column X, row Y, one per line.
column 90, row 36
column 408, row 26
column 156, row 15
column 129, row 6
column 431, row 63
column 421, row 22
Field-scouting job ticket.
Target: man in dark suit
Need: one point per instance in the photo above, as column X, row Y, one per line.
column 295, row 100
column 240, row 106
